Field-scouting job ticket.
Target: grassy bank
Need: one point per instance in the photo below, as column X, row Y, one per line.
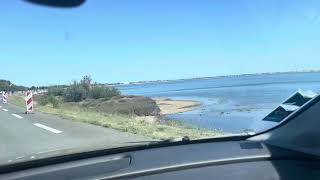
column 17, row 100
column 172, row 129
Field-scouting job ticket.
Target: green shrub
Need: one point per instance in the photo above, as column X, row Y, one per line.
column 54, row 101
column 86, row 82
column 75, row 93
column 79, row 91
column 97, row 92
column 49, row 99
column 56, row 91
column 112, row 91
column 43, row 99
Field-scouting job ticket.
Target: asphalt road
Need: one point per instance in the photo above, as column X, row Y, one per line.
column 24, row 134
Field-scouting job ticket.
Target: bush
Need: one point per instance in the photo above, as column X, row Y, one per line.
column 56, row 91
column 75, row 93
column 112, row 91
column 86, row 82
column 134, row 105
column 98, row 92
column 53, row 101
column 48, row 99
column 79, row 91
column 43, row 100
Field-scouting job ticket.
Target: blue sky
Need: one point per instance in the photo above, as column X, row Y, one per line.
column 118, row 41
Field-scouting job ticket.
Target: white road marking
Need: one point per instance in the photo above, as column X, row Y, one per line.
column 47, row 128
column 17, row 116
column 5, row 110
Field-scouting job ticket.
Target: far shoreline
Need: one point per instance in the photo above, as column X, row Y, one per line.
column 209, row 77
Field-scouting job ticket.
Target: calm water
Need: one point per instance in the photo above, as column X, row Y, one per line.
column 230, row 104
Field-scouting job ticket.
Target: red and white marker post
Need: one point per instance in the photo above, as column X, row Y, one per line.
column 4, row 97
column 29, row 102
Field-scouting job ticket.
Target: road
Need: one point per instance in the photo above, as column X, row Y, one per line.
column 24, row 134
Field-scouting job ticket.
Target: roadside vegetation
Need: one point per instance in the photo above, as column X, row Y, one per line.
column 76, row 92
column 88, row 102
column 9, row 86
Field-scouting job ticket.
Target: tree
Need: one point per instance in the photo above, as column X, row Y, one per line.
column 75, row 93
column 86, row 82
column 8, row 86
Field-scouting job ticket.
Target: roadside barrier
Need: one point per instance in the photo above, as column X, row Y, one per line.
column 29, row 102
column 4, row 97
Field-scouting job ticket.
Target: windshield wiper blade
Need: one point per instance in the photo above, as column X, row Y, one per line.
column 166, row 141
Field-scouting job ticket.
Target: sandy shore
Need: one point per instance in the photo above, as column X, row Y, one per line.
column 169, row 106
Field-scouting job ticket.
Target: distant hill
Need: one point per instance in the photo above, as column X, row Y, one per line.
column 6, row 85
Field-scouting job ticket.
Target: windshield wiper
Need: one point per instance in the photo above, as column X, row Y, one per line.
column 166, row 141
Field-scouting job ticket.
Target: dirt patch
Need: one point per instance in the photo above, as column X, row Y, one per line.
column 169, row 106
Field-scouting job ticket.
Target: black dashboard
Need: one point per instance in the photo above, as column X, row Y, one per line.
column 219, row 160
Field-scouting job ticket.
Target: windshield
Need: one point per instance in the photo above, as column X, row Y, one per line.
column 112, row 74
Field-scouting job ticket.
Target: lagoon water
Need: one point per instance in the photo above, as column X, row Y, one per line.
column 230, row 104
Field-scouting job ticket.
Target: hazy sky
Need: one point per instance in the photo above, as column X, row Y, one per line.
column 118, row 41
